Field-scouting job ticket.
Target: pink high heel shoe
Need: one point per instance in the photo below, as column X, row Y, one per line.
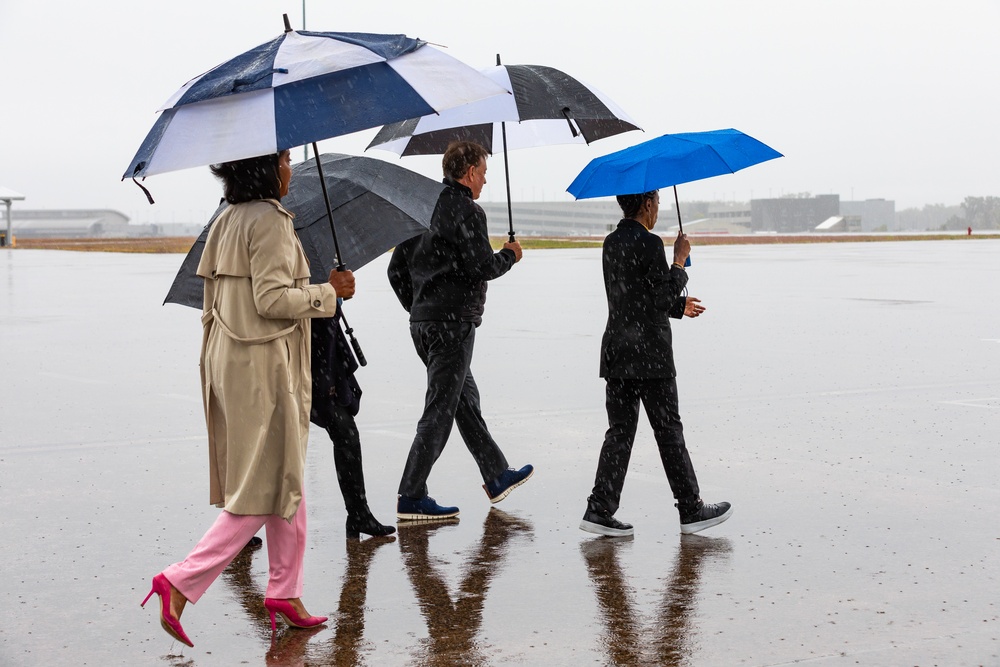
column 172, row 625
column 284, row 609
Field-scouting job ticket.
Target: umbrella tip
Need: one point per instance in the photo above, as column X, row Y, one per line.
column 288, row 26
column 498, row 60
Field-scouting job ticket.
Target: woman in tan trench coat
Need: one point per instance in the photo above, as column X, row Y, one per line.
column 256, row 384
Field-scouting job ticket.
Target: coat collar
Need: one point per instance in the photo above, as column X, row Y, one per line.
column 458, row 186
column 630, row 223
column 277, row 205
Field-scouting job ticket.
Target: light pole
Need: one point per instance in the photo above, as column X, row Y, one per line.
column 305, row 149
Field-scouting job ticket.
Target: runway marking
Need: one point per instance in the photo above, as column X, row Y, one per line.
column 96, row 444
column 991, row 403
column 889, row 302
column 74, row 378
column 182, row 397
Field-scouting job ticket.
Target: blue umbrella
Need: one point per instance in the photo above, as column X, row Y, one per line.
column 668, row 161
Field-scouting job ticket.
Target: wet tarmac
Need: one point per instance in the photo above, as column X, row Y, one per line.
column 844, row 397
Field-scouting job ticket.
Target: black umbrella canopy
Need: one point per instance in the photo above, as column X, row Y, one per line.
column 539, row 93
column 376, row 204
column 546, row 106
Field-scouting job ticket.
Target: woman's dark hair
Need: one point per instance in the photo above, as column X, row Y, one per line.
column 459, row 156
column 632, row 204
column 249, row 179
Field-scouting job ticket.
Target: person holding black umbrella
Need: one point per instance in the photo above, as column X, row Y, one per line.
column 336, row 400
column 440, row 278
column 638, row 365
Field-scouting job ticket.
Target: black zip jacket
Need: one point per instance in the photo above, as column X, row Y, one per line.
column 440, row 276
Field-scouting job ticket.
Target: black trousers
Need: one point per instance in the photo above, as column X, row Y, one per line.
column 452, row 397
column 659, row 397
column 344, row 434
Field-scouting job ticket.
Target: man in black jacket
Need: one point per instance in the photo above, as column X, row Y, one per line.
column 638, row 364
column 440, row 279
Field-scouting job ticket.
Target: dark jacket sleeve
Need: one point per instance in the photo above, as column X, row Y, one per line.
column 667, row 282
column 476, row 257
column 399, row 274
column 677, row 310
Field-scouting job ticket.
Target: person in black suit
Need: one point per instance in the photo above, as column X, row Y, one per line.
column 336, row 400
column 637, row 363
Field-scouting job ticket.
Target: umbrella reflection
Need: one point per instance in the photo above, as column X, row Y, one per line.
column 453, row 623
column 670, row 640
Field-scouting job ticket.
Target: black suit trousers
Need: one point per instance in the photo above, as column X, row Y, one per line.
column 452, row 397
column 346, row 439
column 659, row 397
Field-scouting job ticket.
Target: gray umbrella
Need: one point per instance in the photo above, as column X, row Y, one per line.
column 546, row 106
column 376, row 205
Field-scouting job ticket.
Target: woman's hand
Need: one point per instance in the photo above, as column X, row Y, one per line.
column 682, row 248
column 693, row 307
column 343, row 282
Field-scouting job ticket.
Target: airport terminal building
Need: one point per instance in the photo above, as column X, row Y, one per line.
column 591, row 218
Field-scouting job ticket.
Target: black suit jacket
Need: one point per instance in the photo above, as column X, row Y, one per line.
column 643, row 292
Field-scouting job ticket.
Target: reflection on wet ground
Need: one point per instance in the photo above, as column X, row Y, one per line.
column 349, row 619
column 629, row 637
column 453, row 618
column 857, row 442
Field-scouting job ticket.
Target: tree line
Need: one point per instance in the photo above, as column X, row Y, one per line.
column 975, row 212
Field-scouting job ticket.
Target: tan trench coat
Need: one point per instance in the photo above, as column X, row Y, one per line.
column 255, row 358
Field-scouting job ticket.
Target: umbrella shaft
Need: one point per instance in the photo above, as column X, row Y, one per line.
column 506, row 173
column 680, row 227
column 329, row 209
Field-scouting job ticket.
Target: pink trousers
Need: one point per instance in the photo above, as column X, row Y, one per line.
column 286, row 547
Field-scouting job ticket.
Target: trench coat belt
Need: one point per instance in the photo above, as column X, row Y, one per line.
column 214, row 315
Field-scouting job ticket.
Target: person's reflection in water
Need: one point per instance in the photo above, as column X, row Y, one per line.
column 238, row 577
column 670, row 642
column 350, row 617
column 287, row 648
column 453, row 624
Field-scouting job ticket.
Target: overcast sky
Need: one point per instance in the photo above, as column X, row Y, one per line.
column 889, row 99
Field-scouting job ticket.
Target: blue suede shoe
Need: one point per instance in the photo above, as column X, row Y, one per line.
column 508, row 480
column 422, row 509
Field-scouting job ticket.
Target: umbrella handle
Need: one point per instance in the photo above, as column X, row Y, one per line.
column 357, row 348
column 680, row 227
column 354, row 341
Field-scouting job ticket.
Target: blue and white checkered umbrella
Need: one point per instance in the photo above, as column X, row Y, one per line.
column 299, row 88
